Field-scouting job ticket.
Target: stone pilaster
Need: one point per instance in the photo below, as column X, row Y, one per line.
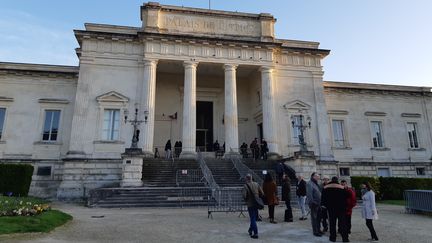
column 324, row 142
column 231, row 117
column 78, row 140
column 268, row 110
column 189, row 111
column 148, row 104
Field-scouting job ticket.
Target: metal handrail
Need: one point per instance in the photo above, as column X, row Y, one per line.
column 207, row 172
column 243, row 170
column 193, row 176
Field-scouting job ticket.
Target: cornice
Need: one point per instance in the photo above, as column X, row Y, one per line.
column 39, row 70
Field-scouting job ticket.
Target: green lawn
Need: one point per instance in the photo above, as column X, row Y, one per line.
column 44, row 222
column 393, row 202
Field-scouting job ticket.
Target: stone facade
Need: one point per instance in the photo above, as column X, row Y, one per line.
column 181, row 56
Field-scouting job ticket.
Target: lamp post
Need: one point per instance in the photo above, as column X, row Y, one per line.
column 302, row 127
column 135, row 123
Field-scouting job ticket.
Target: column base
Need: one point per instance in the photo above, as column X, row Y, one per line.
column 188, row 155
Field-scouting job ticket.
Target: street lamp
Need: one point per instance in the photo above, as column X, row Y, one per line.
column 135, row 123
column 301, row 127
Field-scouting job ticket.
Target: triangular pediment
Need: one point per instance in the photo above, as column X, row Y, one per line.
column 112, row 96
column 296, row 105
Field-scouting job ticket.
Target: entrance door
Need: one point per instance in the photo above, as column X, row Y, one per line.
column 260, row 132
column 204, row 125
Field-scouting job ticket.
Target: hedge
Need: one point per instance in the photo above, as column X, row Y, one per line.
column 391, row 188
column 15, row 178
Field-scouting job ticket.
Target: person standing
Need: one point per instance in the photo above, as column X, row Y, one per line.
column 351, row 203
column 168, row 149
column 280, row 171
column 270, row 192
column 286, row 196
column 323, row 210
column 251, row 190
column 301, row 196
column 369, row 211
column 264, row 149
column 334, row 199
column 313, row 197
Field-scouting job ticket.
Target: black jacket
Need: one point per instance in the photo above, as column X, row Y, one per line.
column 301, row 188
column 334, row 198
column 286, row 190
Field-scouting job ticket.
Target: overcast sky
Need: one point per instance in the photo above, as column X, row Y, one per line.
column 371, row 41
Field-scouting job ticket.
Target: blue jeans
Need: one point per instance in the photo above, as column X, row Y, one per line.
column 253, row 215
column 301, row 202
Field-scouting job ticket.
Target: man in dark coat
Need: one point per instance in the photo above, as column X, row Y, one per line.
column 313, row 197
column 286, row 196
column 301, row 196
column 334, row 198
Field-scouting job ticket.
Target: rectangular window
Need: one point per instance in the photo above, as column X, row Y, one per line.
column 344, row 171
column 420, row 171
column 377, row 135
column 412, row 134
column 2, row 118
column 384, row 172
column 111, row 124
column 338, row 133
column 51, row 125
column 43, row 171
column 296, row 129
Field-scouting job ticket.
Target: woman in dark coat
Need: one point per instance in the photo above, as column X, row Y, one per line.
column 286, row 196
column 270, row 192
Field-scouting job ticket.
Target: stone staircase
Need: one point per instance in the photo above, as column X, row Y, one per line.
column 162, row 173
column 153, row 197
column 224, row 173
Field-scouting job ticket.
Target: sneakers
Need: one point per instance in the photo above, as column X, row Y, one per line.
column 373, row 240
column 254, row 236
column 303, row 218
column 318, row 234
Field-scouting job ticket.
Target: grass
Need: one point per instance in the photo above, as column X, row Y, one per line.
column 44, row 222
column 393, row 202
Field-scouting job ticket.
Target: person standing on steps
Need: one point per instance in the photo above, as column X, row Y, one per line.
column 286, row 196
column 369, row 211
column 251, row 190
column 313, row 197
column 168, row 149
column 301, row 196
column 270, row 192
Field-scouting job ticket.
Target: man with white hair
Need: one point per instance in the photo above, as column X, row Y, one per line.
column 251, row 190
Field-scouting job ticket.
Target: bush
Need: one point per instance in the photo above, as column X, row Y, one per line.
column 395, row 186
column 391, row 188
column 356, row 181
column 15, row 179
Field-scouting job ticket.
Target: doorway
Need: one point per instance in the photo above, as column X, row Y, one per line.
column 204, row 125
column 260, row 132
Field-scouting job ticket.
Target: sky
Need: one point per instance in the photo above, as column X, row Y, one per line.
column 371, row 41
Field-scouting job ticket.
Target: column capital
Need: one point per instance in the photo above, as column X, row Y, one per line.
column 267, row 69
column 190, row 64
column 230, row 67
column 149, row 61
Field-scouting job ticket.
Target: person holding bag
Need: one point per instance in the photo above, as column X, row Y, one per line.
column 270, row 193
column 369, row 211
column 252, row 194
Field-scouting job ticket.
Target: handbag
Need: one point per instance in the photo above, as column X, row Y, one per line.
column 258, row 201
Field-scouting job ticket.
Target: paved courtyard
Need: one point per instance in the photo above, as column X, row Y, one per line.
column 192, row 225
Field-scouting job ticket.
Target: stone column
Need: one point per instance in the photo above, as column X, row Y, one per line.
column 231, row 117
column 268, row 110
column 189, row 111
column 148, row 104
column 324, row 142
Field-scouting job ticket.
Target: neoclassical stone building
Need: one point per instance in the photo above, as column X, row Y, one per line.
column 198, row 76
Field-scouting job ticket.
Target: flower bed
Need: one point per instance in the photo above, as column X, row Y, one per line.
column 22, row 206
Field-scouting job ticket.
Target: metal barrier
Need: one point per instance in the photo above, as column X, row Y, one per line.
column 243, row 170
column 188, row 177
column 207, row 172
column 228, row 200
column 418, row 200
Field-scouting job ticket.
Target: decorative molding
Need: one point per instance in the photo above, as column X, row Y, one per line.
column 375, row 113
column 411, row 115
column 112, row 96
column 6, row 99
column 296, row 105
column 337, row 112
column 381, row 149
column 54, row 101
column 108, row 142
